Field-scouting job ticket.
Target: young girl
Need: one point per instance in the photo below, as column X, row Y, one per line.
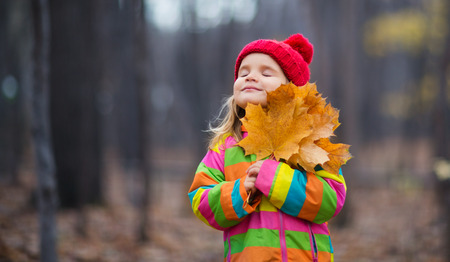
column 285, row 219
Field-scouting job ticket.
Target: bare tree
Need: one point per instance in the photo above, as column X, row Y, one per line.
column 14, row 126
column 441, row 130
column 41, row 132
column 140, row 66
column 75, row 80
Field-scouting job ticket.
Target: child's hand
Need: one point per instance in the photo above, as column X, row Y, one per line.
column 252, row 173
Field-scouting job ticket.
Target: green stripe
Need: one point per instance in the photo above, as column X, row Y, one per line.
column 298, row 240
column 255, row 238
column 216, row 207
column 270, row 238
column 329, row 202
column 235, row 155
column 226, row 247
column 214, row 203
column 323, row 242
column 211, row 172
column 274, row 179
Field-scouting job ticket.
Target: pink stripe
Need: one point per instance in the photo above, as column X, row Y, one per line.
column 269, row 220
column 312, row 240
column 282, row 238
column 214, row 160
column 227, row 238
column 230, row 142
column 256, row 220
column 339, row 188
column 205, row 210
column 266, row 176
column 300, row 225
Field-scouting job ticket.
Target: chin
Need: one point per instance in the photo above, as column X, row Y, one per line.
column 263, row 104
column 255, row 101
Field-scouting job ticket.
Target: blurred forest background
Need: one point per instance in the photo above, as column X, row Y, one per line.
column 132, row 84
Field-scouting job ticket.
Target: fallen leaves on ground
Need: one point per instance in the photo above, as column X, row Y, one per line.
column 385, row 223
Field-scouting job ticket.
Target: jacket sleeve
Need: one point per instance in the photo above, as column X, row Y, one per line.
column 314, row 197
column 217, row 202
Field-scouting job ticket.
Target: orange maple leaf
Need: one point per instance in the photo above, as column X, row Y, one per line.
column 295, row 128
column 339, row 154
column 272, row 130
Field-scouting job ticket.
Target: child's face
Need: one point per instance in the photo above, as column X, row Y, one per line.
column 257, row 75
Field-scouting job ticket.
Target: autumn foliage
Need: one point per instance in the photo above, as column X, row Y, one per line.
column 295, row 128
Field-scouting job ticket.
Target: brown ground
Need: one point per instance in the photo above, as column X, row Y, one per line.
column 395, row 224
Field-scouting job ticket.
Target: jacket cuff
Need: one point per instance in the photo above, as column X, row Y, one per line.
column 250, row 201
column 266, row 176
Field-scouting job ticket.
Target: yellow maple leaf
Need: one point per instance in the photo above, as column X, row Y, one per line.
column 295, row 128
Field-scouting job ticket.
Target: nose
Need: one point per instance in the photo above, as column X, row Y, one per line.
column 251, row 77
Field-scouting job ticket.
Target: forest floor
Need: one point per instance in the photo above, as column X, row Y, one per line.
column 386, row 224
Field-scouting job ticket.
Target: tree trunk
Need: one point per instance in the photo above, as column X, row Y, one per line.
column 75, row 81
column 441, row 131
column 142, row 84
column 41, row 132
column 14, row 127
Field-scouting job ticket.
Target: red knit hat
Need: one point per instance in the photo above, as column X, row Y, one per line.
column 293, row 55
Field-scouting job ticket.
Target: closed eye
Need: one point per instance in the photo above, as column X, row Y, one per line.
column 243, row 73
column 267, row 73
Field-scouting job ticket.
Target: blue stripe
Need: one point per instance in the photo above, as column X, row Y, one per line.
column 237, row 200
column 331, row 246
column 296, row 195
column 192, row 194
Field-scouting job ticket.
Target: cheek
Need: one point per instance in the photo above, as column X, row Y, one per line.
column 236, row 86
column 274, row 85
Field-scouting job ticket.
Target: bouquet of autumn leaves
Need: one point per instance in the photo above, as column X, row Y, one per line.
column 295, row 127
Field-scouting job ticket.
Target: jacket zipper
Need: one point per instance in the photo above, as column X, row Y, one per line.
column 282, row 238
column 312, row 239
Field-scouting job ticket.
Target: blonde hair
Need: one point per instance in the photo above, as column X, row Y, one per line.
column 230, row 123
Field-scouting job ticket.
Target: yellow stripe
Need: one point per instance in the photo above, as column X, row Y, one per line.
column 196, row 203
column 222, row 141
column 265, row 205
column 281, row 187
column 216, row 148
column 338, row 178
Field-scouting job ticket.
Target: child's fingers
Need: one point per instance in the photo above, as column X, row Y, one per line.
column 253, row 170
column 251, row 179
column 249, row 183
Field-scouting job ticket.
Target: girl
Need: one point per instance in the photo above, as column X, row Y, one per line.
column 286, row 217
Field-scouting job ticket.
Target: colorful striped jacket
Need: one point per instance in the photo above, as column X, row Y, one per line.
column 286, row 222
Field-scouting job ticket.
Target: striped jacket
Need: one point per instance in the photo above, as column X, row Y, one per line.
column 287, row 221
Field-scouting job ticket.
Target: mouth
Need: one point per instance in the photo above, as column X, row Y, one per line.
column 251, row 88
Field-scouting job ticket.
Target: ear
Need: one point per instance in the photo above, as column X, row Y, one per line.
column 301, row 44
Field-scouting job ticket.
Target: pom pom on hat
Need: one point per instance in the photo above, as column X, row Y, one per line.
column 301, row 45
column 293, row 55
